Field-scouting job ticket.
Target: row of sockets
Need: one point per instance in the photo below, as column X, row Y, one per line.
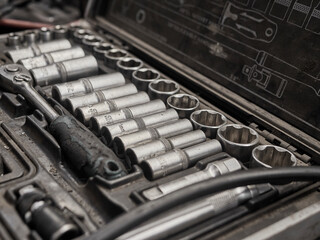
column 145, row 132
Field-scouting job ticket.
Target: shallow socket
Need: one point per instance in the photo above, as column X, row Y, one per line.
column 164, row 86
column 116, row 53
column 208, row 120
column 270, row 156
column 129, row 63
column 238, row 134
column 146, row 74
column 183, row 102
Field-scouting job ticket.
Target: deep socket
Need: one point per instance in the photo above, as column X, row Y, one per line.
column 238, row 140
column 30, row 37
column 122, row 143
column 79, row 34
column 208, row 121
column 97, row 122
column 212, row 170
column 45, row 34
column 99, row 96
column 52, row 57
column 163, row 88
column 112, row 56
column 135, row 155
column 184, row 104
column 270, row 156
column 101, row 49
column 91, row 41
column 13, row 40
column 178, row 159
column 143, row 76
column 60, row 32
column 87, row 85
column 85, row 113
column 109, row 132
column 37, row 49
column 128, row 65
column 65, row 71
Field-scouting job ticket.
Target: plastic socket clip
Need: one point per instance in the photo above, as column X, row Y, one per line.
column 213, row 169
column 184, row 104
column 270, row 156
column 122, row 143
column 143, row 76
column 162, row 89
column 208, row 121
column 87, row 85
column 238, row 140
column 109, row 132
column 155, row 106
column 135, row 155
column 179, row 159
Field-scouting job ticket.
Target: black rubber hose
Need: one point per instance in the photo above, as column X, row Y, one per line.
column 142, row 213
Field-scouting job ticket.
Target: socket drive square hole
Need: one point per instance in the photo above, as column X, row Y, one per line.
column 238, row 134
column 208, row 118
column 183, row 101
column 146, row 74
column 164, row 86
column 272, row 156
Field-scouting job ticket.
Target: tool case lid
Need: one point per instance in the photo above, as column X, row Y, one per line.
column 265, row 51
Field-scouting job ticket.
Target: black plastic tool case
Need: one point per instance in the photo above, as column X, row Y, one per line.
column 257, row 62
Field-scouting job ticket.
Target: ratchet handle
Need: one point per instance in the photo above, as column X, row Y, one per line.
column 84, row 151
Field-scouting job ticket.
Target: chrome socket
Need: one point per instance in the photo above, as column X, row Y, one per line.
column 143, row 76
column 238, row 140
column 30, row 37
column 184, row 104
column 52, row 57
column 99, row 96
column 162, row 89
column 112, row 56
column 85, row 113
column 87, row 85
column 270, row 156
column 135, row 155
column 208, row 121
column 13, row 40
column 101, row 49
column 109, row 132
column 91, row 41
column 65, row 71
column 79, row 34
column 97, row 122
column 38, row 49
column 178, row 159
column 128, row 65
column 212, row 170
column 60, row 32
column 45, row 34
column 122, row 143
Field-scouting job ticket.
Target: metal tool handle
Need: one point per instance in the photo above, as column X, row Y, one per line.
column 86, row 153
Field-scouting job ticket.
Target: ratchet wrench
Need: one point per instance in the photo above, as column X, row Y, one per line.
column 87, row 153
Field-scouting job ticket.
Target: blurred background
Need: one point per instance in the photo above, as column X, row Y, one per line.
column 18, row 15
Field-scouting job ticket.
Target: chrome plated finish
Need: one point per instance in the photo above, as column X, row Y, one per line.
column 163, row 88
column 143, row 76
column 184, row 104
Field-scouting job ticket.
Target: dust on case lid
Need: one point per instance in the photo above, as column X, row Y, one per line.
column 265, row 50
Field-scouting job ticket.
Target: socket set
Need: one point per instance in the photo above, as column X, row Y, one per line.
column 95, row 126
